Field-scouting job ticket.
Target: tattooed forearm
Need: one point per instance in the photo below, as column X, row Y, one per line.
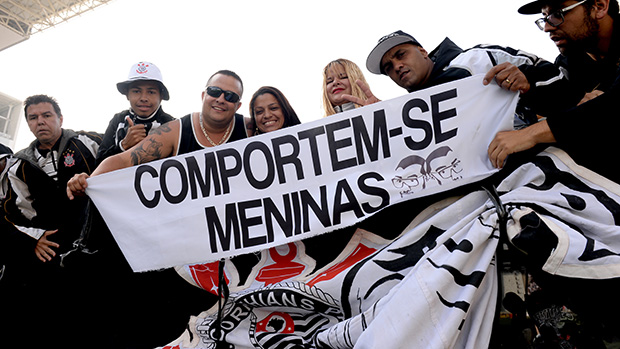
column 140, row 154
column 165, row 128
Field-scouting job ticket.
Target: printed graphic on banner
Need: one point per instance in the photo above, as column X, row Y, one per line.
column 439, row 276
column 310, row 179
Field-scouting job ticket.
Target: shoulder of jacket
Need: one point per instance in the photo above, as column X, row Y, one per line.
column 95, row 136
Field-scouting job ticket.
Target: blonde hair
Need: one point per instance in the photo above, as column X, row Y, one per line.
column 353, row 72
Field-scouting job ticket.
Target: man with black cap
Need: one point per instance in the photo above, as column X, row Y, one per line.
column 144, row 89
column 401, row 57
column 583, row 32
column 588, row 40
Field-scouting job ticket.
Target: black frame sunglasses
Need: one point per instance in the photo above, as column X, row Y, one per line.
column 556, row 18
column 229, row 96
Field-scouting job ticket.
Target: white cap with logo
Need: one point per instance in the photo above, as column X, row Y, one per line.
column 144, row 71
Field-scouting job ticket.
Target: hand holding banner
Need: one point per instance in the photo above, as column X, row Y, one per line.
column 302, row 181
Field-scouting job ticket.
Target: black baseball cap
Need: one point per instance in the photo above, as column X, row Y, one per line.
column 535, row 7
column 386, row 43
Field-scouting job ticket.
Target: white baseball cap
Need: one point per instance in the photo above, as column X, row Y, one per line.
column 144, row 71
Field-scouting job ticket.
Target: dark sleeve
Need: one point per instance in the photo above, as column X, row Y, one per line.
column 108, row 146
column 165, row 117
column 589, row 132
column 550, row 90
column 19, row 196
column 591, row 124
column 14, row 245
column 549, row 87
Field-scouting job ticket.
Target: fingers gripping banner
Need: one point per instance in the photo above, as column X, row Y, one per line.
column 288, row 185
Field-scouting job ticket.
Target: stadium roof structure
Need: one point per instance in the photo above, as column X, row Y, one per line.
column 21, row 18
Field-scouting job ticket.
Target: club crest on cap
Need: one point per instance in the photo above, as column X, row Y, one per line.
column 142, row 68
column 143, row 71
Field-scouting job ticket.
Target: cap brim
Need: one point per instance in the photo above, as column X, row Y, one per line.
column 531, row 8
column 373, row 62
column 122, row 87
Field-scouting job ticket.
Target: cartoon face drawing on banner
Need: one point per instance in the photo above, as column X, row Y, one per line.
column 426, row 174
column 452, row 171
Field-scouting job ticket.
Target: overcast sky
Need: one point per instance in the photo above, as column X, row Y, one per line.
column 285, row 44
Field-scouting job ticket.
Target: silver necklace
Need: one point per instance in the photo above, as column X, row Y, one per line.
column 224, row 138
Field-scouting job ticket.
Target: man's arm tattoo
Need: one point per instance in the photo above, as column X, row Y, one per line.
column 161, row 129
column 140, row 155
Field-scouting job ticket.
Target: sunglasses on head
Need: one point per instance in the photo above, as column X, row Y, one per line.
column 230, row 96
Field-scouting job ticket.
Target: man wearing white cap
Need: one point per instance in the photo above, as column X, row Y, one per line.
column 144, row 89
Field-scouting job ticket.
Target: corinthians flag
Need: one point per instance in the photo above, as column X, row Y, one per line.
column 368, row 228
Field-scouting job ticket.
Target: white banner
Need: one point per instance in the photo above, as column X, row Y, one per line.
column 302, row 181
column 438, row 276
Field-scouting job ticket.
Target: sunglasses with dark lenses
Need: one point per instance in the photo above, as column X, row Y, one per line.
column 230, row 96
column 556, row 18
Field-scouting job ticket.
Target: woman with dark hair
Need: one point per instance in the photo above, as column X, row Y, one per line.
column 270, row 111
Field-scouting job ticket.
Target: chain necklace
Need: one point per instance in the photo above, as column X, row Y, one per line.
column 224, row 138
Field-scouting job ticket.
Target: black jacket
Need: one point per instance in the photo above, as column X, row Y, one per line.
column 585, row 74
column 588, row 132
column 117, row 130
column 38, row 201
column 547, row 82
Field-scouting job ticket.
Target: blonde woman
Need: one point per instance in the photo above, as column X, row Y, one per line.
column 339, row 78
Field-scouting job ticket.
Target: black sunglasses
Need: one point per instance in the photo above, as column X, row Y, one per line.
column 556, row 18
column 230, row 96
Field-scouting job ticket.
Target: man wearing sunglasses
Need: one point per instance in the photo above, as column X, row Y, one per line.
column 217, row 123
column 589, row 43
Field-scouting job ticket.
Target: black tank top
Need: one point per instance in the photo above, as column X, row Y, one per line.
column 187, row 138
